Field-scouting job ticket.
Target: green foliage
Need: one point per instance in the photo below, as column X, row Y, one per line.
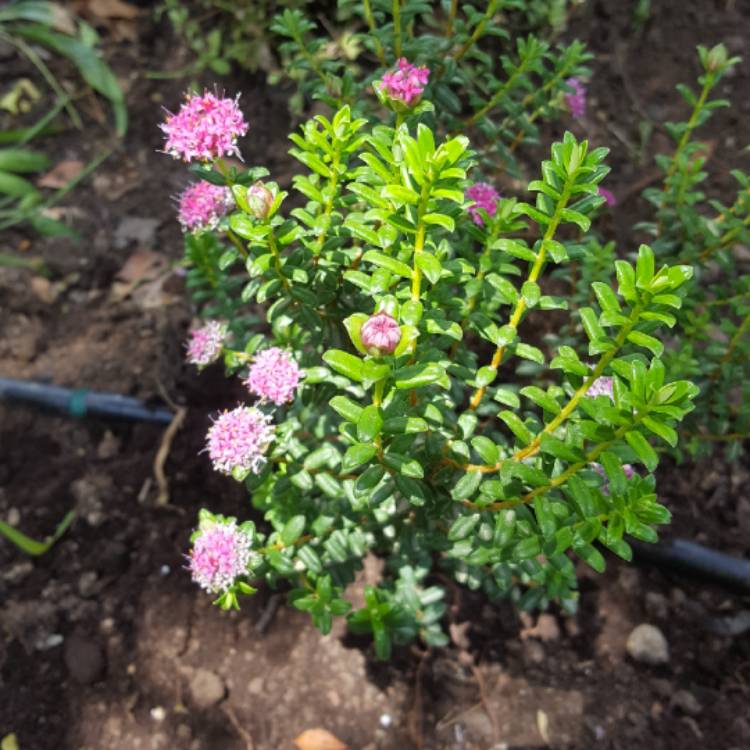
column 466, row 449
column 482, row 81
column 26, row 25
column 222, row 34
column 712, row 311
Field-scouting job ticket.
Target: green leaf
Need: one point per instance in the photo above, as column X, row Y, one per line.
column 665, row 432
column 22, row 160
column 344, row 363
column 531, row 293
column 626, row 280
column 292, row 530
column 441, row 220
column 429, row 265
column 400, row 194
column 486, row 449
column 643, row 449
column 32, row 546
column 648, row 342
column 574, row 217
column 357, row 455
column 369, row 424
column 463, row 526
column 346, row 408
column 15, row 186
column 526, row 351
column 385, row 261
column 644, row 269
column 559, row 449
column 416, row 376
column 517, row 427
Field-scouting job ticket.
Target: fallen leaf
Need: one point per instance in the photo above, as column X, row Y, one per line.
column 542, row 724
column 141, row 266
column 62, row 20
column 546, row 629
column 44, row 289
column 106, row 9
column 318, row 739
column 61, row 174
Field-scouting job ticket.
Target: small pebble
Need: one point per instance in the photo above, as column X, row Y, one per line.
column 686, row 702
column 206, row 688
column 386, row 720
column 647, row 645
column 158, row 713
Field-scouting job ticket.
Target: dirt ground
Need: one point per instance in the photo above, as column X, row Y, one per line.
column 106, row 644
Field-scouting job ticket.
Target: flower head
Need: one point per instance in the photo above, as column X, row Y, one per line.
column 202, row 205
column 485, row 197
column 602, row 387
column 406, row 83
column 221, row 552
column 381, row 334
column 206, row 128
column 238, row 439
column 576, row 100
column 274, row 375
column 608, row 196
column 205, row 343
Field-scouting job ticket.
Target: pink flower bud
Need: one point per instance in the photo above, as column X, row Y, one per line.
column 260, row 200
column 381, row 334
column 406, row 83
column 205, row 344
column 608, row 196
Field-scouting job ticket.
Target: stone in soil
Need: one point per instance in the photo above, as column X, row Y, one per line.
column 206, row 689
column 84, row 659
column 647, row 645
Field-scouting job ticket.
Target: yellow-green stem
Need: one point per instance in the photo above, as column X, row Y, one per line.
column 397, row 27
column 520, row 306
column 478, row 31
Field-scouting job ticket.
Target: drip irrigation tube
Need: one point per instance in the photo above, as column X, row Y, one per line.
column 697, row 561
column 81, row 402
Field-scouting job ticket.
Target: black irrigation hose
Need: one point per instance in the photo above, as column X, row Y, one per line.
column 80, row 402
column 678, row 554
column 697, row 561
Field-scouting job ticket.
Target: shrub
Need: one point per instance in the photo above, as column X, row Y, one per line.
column 399, row 405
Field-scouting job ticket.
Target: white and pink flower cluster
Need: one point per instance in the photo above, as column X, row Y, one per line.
column 238, row 440
column 202, row 205
column 406, row 83
column 274, row 375
column 221, row 553
column 205, row 343
column 205, row 129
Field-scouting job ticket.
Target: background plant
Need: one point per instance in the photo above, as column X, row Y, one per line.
column 689, row 226
column 28, row 25
column 483, row 81
column 447, row 441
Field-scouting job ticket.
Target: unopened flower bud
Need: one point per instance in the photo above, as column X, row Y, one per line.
column 717, row 58
column 260, row 200
column 381, row 334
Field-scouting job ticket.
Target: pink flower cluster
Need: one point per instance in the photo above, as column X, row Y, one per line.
column 274, row 375
column 602, row 387
column 205, row 343
column 381, row 334
column 221, row 553
column 206, row 128
column 406, row 83
column 238, row 439
column 202, row 205
column 576, row 100
column 485, row 197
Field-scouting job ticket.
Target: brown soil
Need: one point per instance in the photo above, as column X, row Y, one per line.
column 105, row 641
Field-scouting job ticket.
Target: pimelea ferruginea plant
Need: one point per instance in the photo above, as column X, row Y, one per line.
column 394, row 406
column 712, row 341
column 479, row 79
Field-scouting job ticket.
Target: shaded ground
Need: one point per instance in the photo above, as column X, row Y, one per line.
column 107, row 644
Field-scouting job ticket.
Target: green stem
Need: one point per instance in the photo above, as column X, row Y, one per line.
column 451, row 19
column 371, row 24
column 478, row 31
column 536, row 270
column 416, row 279
column 235, row 240
column 397, row 27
